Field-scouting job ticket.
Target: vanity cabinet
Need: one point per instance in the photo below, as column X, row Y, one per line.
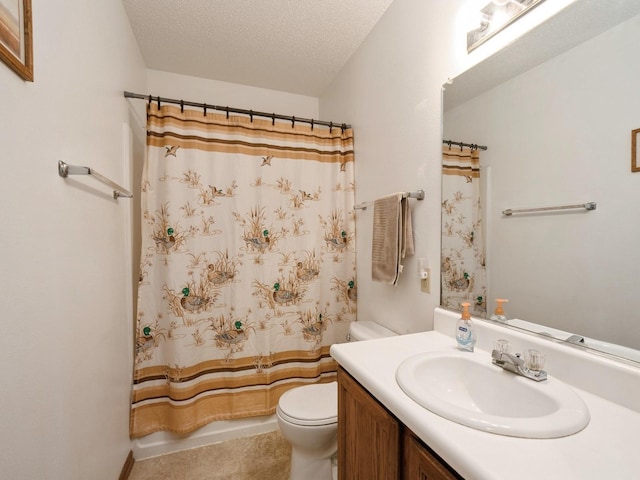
column 368, row 435
column 374, row 445
column 420, row 463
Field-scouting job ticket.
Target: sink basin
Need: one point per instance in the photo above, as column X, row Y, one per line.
column 468, row 389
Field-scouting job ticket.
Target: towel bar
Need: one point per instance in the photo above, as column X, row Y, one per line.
column 65, row 170
column 419, row 194
column 587, row 206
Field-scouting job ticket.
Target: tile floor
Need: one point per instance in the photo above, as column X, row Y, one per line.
column 261, row 457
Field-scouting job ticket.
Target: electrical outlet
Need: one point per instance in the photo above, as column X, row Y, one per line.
column 425, row 283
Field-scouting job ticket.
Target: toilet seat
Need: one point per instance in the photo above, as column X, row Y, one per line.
column 310, row 405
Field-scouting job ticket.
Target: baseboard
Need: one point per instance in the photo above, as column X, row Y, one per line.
column 126, row 468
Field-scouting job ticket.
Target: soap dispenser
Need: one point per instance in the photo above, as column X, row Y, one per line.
column 465, row 334
column 498, row 314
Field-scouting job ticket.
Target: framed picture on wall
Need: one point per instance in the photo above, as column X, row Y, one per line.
column 635, row 146
column 16, row 37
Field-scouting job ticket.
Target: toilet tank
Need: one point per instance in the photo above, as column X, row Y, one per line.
column 367, row 330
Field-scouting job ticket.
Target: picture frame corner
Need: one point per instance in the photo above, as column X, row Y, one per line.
column 635, row 146
column 16, row 37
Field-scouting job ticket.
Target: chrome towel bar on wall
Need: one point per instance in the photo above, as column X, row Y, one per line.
column 587, row 206
column 65, row 170
column 419, row 194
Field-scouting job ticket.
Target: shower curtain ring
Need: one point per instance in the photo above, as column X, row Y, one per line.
column 251, row 115
column 293, row 122
column 227, row 113
column 330, row 127
column 205, row 109
column 312, row 124
column 273, row 119
column 181, row 106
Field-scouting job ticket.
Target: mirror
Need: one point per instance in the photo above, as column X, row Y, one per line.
column 556, row 110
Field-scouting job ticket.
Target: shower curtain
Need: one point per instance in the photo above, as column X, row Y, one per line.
column 463, row 254
column 247, row 272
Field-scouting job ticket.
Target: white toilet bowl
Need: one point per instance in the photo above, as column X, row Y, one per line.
column 308, row 417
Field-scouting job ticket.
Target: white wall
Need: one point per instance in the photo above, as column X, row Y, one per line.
column 391, row 92
column 201, row 90
column 65, row 347
column 560, row 134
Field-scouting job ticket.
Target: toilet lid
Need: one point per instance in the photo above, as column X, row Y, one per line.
column 315, row 404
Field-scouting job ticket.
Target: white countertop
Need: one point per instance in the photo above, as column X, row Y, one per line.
column 606, row 448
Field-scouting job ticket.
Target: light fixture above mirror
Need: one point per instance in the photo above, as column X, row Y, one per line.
column 495, row 16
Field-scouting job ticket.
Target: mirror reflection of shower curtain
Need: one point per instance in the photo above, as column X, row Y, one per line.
column 247, row 266
column 463, row 253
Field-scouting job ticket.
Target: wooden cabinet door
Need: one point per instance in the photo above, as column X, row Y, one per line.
column 368, row 435
column 421, row 464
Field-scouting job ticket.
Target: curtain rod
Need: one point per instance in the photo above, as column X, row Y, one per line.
column 472, row 146
column 250, row 113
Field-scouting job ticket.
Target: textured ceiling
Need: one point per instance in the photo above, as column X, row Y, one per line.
column 296, row 46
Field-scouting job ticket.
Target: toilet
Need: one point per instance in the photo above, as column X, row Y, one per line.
column 367, row 330
column 308, row 418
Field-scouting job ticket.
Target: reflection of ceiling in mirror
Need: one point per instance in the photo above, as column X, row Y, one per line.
column 571, row 26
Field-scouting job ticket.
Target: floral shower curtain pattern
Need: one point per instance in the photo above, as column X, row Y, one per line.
column 463, row 255
column 247, row 266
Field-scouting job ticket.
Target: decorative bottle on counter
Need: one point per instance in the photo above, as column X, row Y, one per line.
column 465, row 334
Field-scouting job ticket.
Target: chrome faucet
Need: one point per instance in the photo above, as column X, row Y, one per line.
column 532, row 369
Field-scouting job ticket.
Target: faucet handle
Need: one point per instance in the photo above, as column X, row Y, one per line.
column 534, row 360
column 502, row 346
